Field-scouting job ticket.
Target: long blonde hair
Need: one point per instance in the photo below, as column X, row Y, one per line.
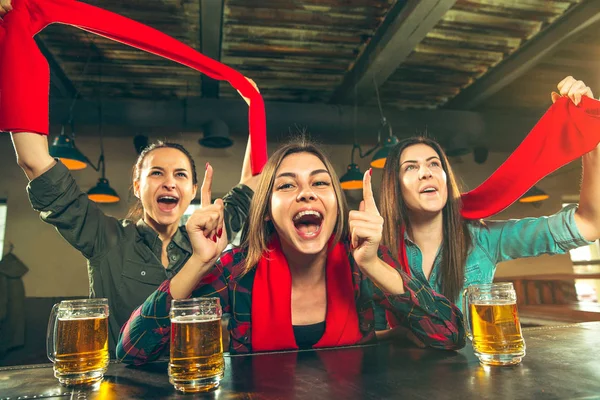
column 258, row 231
column 457, row 239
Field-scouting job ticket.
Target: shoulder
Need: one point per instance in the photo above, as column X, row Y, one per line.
column 126, row 225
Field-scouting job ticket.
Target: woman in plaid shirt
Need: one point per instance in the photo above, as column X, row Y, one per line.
column 307, row 276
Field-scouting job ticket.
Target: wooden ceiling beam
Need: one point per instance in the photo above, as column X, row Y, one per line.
column 57, row 75
column 211, row 28
column 405, row 26
column 531, row 53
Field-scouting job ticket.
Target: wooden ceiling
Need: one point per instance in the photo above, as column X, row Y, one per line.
column 419, row 54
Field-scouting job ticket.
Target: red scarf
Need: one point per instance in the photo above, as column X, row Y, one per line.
column 25, row 78
column 272, row 302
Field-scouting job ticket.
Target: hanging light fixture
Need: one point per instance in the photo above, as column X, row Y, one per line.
column 378, row 160
column 534, row 195
column 102, row 192
column 63, row 148
column 353, row 178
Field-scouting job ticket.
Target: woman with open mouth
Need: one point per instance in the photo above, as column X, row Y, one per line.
column 306, row 276
column 421, row 204
column 128, row 258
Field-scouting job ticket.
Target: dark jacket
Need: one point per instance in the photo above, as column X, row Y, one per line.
column 124, row 258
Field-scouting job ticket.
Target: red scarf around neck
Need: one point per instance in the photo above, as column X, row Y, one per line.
column 25, row 78
column 272, row 302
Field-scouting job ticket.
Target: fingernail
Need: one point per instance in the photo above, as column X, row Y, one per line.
column 207, row 165
column 220, row 232
column 370, row 171
column 214, row 238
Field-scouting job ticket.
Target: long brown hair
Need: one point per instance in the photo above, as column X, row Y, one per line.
column 136, row 212
column 258, row 231
column 456, row 241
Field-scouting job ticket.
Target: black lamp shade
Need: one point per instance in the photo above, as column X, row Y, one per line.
column 533, row 195
column 216, row 135
column 103, row 193
column 378, row 160
column 352, row 179
column 63, row 147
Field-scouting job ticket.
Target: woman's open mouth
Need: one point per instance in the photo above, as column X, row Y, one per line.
column 167, row 203
column 308, row 223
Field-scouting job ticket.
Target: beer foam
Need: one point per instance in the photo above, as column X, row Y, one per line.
column 183, row 319
column 78, row 318
column 493, row 302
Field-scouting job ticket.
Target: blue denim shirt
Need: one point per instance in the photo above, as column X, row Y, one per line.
column 497, row 241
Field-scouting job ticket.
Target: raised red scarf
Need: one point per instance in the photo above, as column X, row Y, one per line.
column 25, row 78
column 272, row 302
column 565, row 133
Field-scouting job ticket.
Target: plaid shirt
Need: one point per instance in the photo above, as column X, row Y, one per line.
column 431, row 317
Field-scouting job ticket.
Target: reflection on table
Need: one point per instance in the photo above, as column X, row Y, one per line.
column 561, row 362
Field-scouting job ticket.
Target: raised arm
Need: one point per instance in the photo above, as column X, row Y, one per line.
column 247, row 178
column 237, row 201
column 32, row 153
column 587, row 216
column 31, row 148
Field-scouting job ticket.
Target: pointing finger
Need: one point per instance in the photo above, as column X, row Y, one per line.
column 206, row 189
column 368, row 198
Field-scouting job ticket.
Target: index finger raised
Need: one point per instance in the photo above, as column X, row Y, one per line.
column 206, row 189
column 368, row 197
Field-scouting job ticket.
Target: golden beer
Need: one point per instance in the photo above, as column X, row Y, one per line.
column 81, row 345
column 496, row 328
column 197, row 362
column 77, row 340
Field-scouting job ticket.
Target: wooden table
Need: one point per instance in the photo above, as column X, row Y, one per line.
column 561, row 362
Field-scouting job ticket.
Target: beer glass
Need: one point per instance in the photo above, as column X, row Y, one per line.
column 197, row 363
column 77, row 340
column 492, row 323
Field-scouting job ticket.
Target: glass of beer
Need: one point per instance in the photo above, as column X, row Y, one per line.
column 77, row 340
column 493, row 323
column 197, row 363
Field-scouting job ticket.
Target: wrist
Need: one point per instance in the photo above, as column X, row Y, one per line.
column 370, row 265
column 183, row 284
column 198, row 265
